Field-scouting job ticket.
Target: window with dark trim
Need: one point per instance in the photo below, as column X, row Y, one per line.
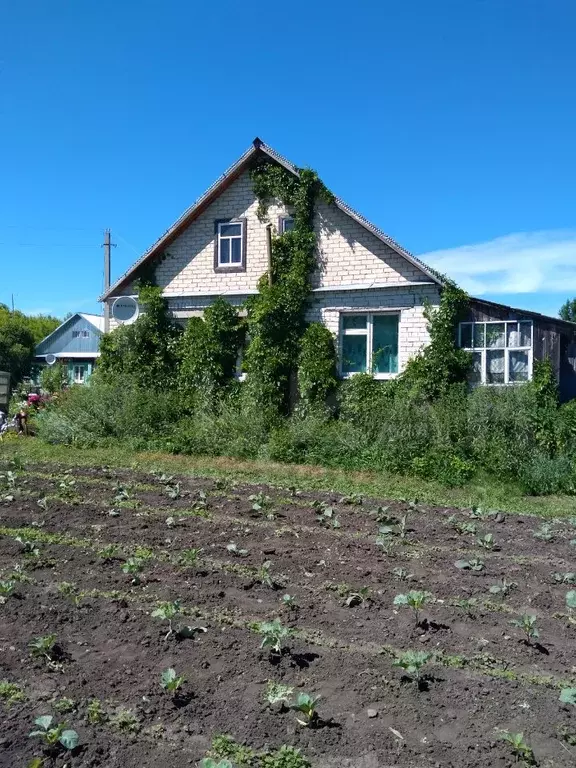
column 286, row 224
column 230, row 245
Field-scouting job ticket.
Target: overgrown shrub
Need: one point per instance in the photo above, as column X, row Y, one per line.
column 54, row 378
column 541, row 475
column 317, row 379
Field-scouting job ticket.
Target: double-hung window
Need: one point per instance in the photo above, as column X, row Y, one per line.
column 501, row 351
column 230, row 241
column 369, row 343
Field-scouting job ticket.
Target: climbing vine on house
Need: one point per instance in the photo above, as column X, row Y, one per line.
column 276, row 315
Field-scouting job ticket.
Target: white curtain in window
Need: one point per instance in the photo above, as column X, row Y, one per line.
column 518, row 366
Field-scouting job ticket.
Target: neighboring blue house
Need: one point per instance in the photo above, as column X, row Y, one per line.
column 75, row 344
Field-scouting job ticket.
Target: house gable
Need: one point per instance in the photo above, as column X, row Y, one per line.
column 79, row 335
column 350, row 249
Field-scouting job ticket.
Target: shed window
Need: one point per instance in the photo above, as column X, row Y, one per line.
column 286, row 224
column 369, row 342
column 501, row 351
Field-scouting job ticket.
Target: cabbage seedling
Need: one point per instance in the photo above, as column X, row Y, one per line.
column 53, row 735
column 43, row 646
column 277, row 693
column 95, row 713
column 305, row 705
column 461, row 527
column 468, row 605
column 6, row 589
column 209, row 762
column 261, row 504
column 546, row 532
column 289, row 601
column 263, row 575
column 273, row 635
column 327, row 518
column 414, row 599
column 357, row 598
column 235, row 550
column 568, row 696
column 109, row 552
column 401, row 574
column 527, row 623
column 571, row 600
column 520, row 749
column 503, row 587
column 28, row 547
column 477, row 513
column 382, row 516
column 564, row 578
column 352, row 498
column 486, row 542
column 134, row 567
column 170, row 681
column 167, row 612
column 412, row 662
column 172, row 491
column 189, row 557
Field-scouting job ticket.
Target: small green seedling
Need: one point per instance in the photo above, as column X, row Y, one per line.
column 527, row 623
column 95, row 713
column 71, row 591
column 461, row 527
column 134, row 567
column 121, row 494
column 170, row 681
column 28, row 547
column 236, row 551
column 352, row 498
column 172, row 491
column 327, row 517
column 486, row 542
column 6, row 589
column 109, row 552
column 470, row 565
column 209, row 762
column 289, row 601
column 125, row 720
column 53, row 735
column 189, row 557
column 11, row 693
column 414, row 599
column 546, row 532
column 468, row 605
column 564, row 578
column 263, row 575
column 43, row 647
column 412, row 662
column 167, row 612
column 503, row 587
column 382, row 516
column 42, row 503
column 357, row 598
column 520, row 749
column 571, row 600
column 568, row 696
column 274, row 635
column 305, row 706
column 261, row 504
column 277, row 693
column 402, row 574
column 477, row 513
column 64, row 705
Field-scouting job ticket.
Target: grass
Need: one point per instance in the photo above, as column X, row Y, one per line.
column 506, row 497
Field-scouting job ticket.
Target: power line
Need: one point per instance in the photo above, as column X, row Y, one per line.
column 49, row 245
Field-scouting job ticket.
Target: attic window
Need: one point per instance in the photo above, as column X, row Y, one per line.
column 286, row 224
column 230, row 245
column 80, row 334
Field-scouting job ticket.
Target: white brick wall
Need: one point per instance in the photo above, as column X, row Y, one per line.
column 347, row 254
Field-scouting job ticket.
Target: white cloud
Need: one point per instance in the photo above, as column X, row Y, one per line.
column 523, row 262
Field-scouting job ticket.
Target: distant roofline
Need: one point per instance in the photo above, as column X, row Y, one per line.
column 526, row 312
column 65, row 322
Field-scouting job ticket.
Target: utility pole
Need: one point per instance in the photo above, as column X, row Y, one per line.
column 107, row 245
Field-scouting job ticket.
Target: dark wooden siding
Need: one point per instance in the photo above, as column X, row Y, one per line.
column 551, row 338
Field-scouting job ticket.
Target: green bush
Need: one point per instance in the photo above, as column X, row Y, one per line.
column 541, row 475
column 317, row 366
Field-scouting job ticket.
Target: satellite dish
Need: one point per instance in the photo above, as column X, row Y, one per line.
column 125, row 310
column 50, row 359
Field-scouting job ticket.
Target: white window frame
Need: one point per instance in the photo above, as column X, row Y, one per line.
column 222, row 237
column 368, row 332
column 77, row 379
column 506, row 349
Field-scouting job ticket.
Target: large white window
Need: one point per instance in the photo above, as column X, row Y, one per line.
column 501, row 351
column 79, row 374
column 369, row 343
column 230, row 244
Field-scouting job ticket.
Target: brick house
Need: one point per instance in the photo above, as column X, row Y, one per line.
column 367, row 289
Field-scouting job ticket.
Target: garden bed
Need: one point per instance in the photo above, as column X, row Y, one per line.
column 344, row 560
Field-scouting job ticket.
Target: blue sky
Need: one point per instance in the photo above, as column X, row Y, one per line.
column 449, row 124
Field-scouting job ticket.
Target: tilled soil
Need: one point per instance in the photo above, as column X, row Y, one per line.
column 485, row 675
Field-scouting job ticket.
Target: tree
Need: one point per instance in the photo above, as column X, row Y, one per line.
column 568, row 310
column 53, row 378
column 16, row 347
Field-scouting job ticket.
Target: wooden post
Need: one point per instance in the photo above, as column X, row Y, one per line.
column 106, row 279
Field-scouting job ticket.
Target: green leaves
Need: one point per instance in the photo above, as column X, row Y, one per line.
column 305, row 704
column 503, row 587
column 6, row 589
column 571, row 599
column 167, row 612
column 414, row 599
column 412, row 662
column 527, row 623
column 568, row 696
column 170, row 681
column 43, row 646
column 278, row 693
column 519, row 747
column 486, row 542
column 273, row 634
column 58, row 734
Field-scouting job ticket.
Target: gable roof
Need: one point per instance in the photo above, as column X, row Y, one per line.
column 257, row 149
column 96, row 320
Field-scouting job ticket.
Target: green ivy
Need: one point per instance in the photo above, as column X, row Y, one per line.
column 441, row 363
column 209, row 350
column 276, row 315
column 317, row 379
